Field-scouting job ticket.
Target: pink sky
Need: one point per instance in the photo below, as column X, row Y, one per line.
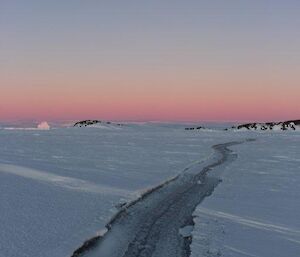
column 185, row 96
column 156, row 60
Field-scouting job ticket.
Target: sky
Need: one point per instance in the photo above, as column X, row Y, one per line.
column 162, row 60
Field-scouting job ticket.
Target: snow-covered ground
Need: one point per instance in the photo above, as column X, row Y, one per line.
column 59, row 187
column 255, row 210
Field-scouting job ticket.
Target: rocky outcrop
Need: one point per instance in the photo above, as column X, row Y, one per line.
column 195, row 128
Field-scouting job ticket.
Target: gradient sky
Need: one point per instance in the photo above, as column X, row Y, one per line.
column 150, row 60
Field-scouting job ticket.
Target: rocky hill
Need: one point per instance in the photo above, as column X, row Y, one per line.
column 97, row 123
column 284, row 125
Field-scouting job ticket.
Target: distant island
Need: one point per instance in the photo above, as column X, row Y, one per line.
column 283, row 125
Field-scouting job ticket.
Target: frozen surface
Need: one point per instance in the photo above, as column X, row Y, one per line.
column 255, row 210
column 59, row 187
